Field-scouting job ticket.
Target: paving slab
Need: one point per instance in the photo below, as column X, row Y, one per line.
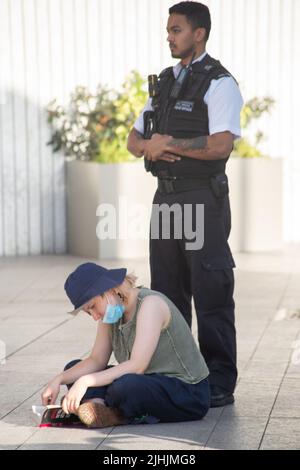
column 282, row 434
column 237, row 433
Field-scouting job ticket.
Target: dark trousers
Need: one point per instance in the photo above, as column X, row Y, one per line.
column 206, row 275
column 153, row 398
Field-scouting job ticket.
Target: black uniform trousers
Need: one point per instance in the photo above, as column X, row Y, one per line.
column 205, row 274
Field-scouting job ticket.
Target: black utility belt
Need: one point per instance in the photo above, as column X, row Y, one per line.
column 174, row 184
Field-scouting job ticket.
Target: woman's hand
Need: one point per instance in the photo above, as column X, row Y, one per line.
column 73, row 398
column 50, row 394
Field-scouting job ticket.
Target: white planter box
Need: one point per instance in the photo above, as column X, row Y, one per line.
column 123, row 186
column 255, row 197
column 256, row 200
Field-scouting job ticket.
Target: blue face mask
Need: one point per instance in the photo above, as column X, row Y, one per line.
column 113, row 313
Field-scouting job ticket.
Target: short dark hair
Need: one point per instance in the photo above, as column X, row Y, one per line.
column 196, row 13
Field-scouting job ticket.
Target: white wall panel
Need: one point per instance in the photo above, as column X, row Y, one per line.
column 9, row 198
column 32, row 127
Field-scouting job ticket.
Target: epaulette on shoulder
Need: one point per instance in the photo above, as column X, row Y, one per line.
column 214, row 69
column 198, row 67
column 222, row 72
column 166, row 72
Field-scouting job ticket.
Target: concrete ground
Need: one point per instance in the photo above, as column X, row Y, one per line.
column 39, row 339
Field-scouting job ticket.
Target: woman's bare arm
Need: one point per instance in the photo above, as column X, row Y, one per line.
column 97, row 360
column 153, row 316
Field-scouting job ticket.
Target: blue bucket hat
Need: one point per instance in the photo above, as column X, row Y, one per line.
column 90, row 280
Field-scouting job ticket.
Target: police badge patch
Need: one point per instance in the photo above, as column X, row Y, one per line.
column 184, row 106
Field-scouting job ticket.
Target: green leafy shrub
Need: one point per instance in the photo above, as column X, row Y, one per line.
column 94, row 127
column 248, row 147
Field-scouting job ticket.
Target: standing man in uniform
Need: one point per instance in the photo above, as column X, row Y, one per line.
column 193, row 139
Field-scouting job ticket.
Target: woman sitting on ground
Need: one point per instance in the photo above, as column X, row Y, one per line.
column 161, row 375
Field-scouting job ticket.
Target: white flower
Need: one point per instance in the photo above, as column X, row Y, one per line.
column 83, row 147
column 83, row 108
column 84, row 121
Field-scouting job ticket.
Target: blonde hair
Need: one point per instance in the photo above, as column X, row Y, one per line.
column 128, row 284
column 124, row 288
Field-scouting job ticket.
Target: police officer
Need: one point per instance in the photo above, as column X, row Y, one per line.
column 197, row 117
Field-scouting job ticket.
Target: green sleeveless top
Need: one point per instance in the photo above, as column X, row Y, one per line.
column 176, row 354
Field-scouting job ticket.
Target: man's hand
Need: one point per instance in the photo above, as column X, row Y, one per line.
column 73, row 398
column 157, row 149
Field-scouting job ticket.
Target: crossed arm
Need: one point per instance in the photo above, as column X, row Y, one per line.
column 164, row 147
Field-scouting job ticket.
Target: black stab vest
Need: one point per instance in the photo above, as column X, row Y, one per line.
column 187, row 117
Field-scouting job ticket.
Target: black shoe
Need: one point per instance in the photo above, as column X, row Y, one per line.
column 220, row 397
